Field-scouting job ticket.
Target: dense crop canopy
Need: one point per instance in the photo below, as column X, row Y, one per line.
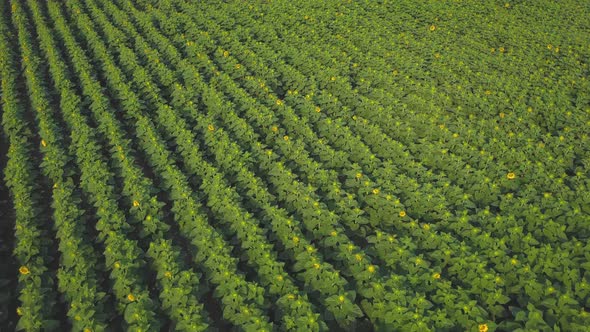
column 295, row 165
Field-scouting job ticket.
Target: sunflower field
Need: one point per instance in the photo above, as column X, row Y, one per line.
column 275, row 165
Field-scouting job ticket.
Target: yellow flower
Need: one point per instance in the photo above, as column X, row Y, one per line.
column 557, row 50
column 493, row 50
column 131, row 297
column 507, row 5
column 24, row 270
column 333, row 78
column 514, row 261
column 395, row 72
column 376, row 191
column 274, row 129
column 483, row 327
column 295, row 239
column 279, row 102
column 502, row 115
column 549, row 47
column 43, row 143
column 501, row 49
column 225, row 54
column 436, row 276
column 19, row 311
column 87, row 330
column 359, row 175
column 238, row 66
column 333, row 233
column 291, row 297
column 280, row 278
column 402, row 214
column 358, row 257
column 437, row 55
column 286, row 138
column 341, row 299
column 317, row 109
column 210, row 127
column 168, row 274
column 432, row 27
column 511, row 176
column 371, row 269
column 316, row 265
column 117, row 265
column 488, row 92
column 135, row 203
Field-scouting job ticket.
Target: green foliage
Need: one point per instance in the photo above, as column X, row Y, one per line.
column 306, row 166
